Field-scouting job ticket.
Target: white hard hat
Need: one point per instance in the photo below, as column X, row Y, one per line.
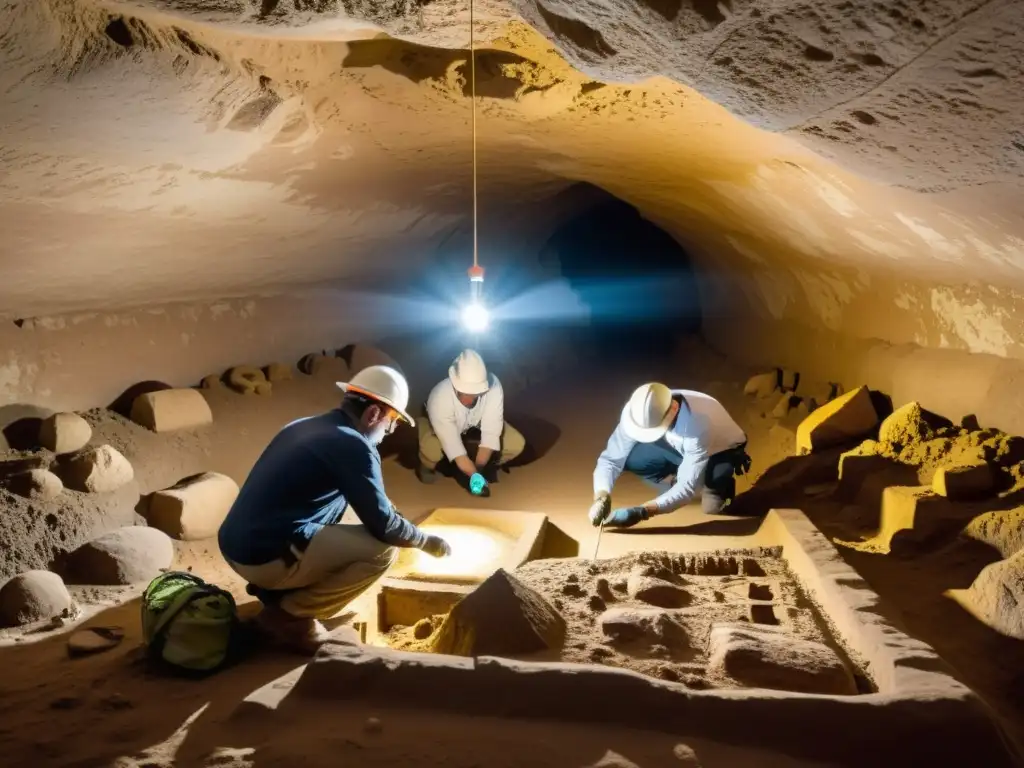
column 383, row 384
column 468, row 374
column 648, row 414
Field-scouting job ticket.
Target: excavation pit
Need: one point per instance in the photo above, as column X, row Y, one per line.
column 419, row 586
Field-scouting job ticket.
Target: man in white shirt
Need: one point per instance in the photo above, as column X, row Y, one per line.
column 469, row 399
column 684, row 443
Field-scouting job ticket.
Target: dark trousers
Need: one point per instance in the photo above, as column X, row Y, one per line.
column 657, row 463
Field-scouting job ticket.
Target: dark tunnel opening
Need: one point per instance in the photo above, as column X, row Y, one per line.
column 635, row 280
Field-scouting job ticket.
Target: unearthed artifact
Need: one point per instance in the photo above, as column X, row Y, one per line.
column 277, row 372
column 171, row 409
column 33, row 596
column 125, row 556
column 36, row 484
column 97, row 470
column 249, row 381
column 763, row 657
column 194, row 507
column 502, row 616
column 846, row 418
column 64, row 433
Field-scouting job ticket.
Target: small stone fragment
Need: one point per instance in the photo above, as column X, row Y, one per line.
column 573, row 590
column 35, row 484
column 278, row 372
column 64, row 433
column 373, row 725
column 213, row 381
column 604, row 589
column 596, row 603
column 422, row 629
column 686, row 756
column 94, row 640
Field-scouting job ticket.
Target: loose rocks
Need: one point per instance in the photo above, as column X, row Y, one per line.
column 500, row 617
column 36, row 484
column 249, row 381
column 194, row 508
column 125, row 556
column 171, row 409
column 33, row 596
column 97, row 470
column 65, row 433
column 764, row 657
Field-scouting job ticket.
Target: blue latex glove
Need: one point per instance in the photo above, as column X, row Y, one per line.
column 477, row 484
column 625, row 517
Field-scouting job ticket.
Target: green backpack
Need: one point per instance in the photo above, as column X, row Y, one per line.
column 188, row 624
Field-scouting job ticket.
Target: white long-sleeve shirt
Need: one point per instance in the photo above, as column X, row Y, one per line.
column 450, row 419
column 702, row 429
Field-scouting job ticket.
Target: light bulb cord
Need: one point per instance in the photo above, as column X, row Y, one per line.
column 472, row 99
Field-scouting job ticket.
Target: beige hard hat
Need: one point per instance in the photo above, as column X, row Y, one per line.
column 648, row 414
column 468, row 373
column 383, row 384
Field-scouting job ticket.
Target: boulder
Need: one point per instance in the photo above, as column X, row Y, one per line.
column 248, row 380
column 762, row 385
column 277, row 372
column 36, row 484
column 501, row 617
column 997, row 594
column 213, row 381
column 655, row 591
column 761, row 656
column 125, row 556
column 97, row 470
column 847, row 418
column 172, row 409
column 962, row 483
column 194, row 508
column 33, row 596
column 64, row 433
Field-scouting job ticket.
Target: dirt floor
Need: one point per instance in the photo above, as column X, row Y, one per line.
column 108, row 706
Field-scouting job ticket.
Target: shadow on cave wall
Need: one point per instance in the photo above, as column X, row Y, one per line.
column 636, row 280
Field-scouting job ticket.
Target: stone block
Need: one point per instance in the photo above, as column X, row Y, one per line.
column 97, row 470
column 767, row 657
column 277, row 372
column 845, row 419
column 64, row 433
column 962, row 483
column 762, row 385
column 194, row 508
column 172, row 409
column 33, row 596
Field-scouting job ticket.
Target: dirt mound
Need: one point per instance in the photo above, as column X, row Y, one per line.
column 1002, row 529
column 501, row 617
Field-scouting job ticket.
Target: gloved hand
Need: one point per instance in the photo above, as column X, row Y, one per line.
column 743, row 464
column 625, row 517
column 478, row 485
column 599, row 509
column 435, row 546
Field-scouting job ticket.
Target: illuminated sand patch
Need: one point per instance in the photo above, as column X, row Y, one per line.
column 475, row 550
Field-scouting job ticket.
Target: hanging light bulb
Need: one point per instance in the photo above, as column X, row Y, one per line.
column 475, row 317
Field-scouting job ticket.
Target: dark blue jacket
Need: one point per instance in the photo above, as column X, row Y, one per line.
column 304, row 480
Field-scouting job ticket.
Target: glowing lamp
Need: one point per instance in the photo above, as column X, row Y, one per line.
column 475, row 316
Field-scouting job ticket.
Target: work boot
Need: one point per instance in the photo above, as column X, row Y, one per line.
column 425, row 474
column 297, row 634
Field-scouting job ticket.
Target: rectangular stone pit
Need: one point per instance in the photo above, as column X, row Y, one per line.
column 483, row 541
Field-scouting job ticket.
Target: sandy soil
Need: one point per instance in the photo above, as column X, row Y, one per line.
column 109, row 705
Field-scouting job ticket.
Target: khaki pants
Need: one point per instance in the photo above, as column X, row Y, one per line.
column 339, row 564
column 512, row 444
